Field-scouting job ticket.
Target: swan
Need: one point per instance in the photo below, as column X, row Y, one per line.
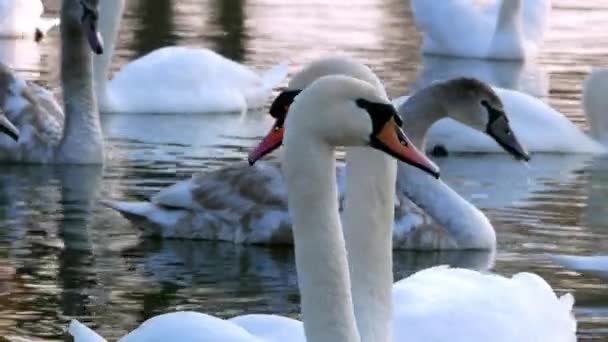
column 596, row 265
column 495, row 29
column 177, row 79
column 470, row 306
column 46, row 134
column 538, row 126
column 232, row 204
column 360, row 115
column 22, row 19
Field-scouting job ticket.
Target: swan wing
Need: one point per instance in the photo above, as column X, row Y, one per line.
column 595, row 265
column 179, row 79
column 271, row 328
column 451, row 304
column 82, row 333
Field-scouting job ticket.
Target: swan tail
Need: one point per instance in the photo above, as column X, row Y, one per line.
column 272, row 77
column 257, row 96
column 82, row 333
column 595, row 102
column 131, row 210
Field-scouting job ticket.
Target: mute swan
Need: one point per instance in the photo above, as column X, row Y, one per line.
column 22, row 18
column 360, row 115
column 595, row 265
column 231, row 204
column 177, row 79
column 46, row 135
column 497, row 29
column 538, row 126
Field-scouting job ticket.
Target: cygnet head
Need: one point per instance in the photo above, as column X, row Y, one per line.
column 344, row 111
column 475, row 104
column 83, row 15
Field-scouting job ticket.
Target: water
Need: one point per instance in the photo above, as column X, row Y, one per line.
column 64, row 255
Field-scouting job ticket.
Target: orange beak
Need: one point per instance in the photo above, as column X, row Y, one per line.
column 392, row 140
column 271, row 142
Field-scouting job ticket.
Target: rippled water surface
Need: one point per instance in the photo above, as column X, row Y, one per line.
column 63, row 255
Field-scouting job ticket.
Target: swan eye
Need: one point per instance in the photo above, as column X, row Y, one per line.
column 280, row 105
column 380, row 113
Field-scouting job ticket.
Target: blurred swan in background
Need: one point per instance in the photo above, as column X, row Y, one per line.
column 177, row 79
column 494, row 29
column 538, row 126
column 22, row 19
column 525, row 76
column 47, row 134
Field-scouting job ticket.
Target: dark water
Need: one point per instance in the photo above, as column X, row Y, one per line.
column 63, row 255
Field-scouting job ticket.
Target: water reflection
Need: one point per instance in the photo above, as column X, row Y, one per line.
column 527, row 76
column 230, row 16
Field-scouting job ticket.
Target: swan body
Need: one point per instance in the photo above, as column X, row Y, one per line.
column 538, row 126
column 490, row 307
column 48, row 132
column 594, row 265
column 177, row 79
column 22, row 19
column 205, row 206
column 494, row 29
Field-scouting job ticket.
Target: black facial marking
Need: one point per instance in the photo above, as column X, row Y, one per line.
column 88, row 11
column 278, row 108
column 498, row 128
column 380, row 113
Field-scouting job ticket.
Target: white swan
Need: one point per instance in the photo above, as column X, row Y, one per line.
column 596, row 265
column 177, row 79
column 46, row 136
column 22, row 19
column 360, row 115
column 469, row 306
column 232, row 204
column 495, row 29
column 538, row 126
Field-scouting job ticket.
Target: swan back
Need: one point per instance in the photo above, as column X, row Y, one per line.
column 595, row 103
column 501, row 303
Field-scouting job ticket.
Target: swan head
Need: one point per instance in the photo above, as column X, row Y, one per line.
column 86, row 13
column 344, row 111
column 332, row 65
column 475, row 104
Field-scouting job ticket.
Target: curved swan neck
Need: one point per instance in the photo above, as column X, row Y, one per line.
column 421, row 111
column 368, row 221
column 109, row 23
column 595, row 104
column 82, row 140
column 321, row 264
column 466, row 225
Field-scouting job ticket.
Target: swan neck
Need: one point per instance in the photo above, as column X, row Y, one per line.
column 82, row 140
column 467, row 226
column 508, row 15
column 421, row 111
column 321, row 264
column 109, row 23
column 595, row 104
column 368, row 221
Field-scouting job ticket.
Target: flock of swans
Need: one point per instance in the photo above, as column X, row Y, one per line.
column 387, row 196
